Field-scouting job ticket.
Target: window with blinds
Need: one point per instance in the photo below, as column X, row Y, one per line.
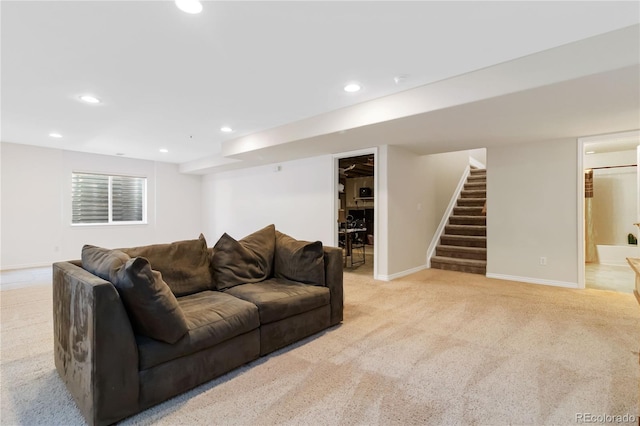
column 105, row 199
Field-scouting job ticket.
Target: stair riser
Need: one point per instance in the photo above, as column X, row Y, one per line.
column 476, row 232
column 473, row 194
column 477, row 178
column 461, row 254
column 468, row 220
column 471, row 202
column 475, row 185
column 460, row 268
column 467, row 211
column 478, row 172
column 462, row 242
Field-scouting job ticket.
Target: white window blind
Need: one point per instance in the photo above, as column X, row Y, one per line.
column 105, row 199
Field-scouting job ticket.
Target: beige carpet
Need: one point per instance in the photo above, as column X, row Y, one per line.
column 437, row 347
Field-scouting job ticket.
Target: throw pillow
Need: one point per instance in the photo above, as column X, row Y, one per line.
column 249, row 260
column 184, row 265
column 103, row 262
column 152, row 307
column 300, row 261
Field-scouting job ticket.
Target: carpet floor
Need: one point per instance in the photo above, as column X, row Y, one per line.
column 436, row 347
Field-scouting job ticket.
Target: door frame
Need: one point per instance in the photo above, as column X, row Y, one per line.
column 335, row 180
column 581, row 226
column 580, row 197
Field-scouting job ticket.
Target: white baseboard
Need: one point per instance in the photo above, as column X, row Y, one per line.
column 5, row 268
column 401, row 274
column 533, row 280
column 25, row 277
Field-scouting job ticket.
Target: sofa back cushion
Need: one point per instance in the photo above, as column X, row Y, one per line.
column 300, row 261
column 249, row 260
column 103, row 262
column 184, row 265
column 152, row 308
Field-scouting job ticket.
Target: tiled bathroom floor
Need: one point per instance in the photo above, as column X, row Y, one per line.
column 609, row 277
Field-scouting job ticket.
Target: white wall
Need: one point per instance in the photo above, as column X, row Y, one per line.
column 382, row 213
column 409, row 211
column 419, row 189
column 615, row 197
column 532, row 212
column 447, row 170
column 298, row 199
column 479, row 155
column 36, row 205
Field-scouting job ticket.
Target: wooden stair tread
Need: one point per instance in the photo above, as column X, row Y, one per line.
column 470, row 227
column 469, row 237
column 463, row 248
column 463, row 245
column 459, row 261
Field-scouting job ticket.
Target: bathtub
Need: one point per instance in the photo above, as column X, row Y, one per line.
column 616, row 255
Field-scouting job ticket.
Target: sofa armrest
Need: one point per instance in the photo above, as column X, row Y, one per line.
column 333, row 263
column 95, row 350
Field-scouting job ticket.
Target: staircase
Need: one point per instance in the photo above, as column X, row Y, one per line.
column 463, row 246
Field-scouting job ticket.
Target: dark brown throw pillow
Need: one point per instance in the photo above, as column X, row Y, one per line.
column 152, row 307
column 184, row 265
column 103, row 262
column 300, row 261
column 249, row 260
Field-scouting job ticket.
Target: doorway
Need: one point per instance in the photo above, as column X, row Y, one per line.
column 610, row 209
column 356, row 219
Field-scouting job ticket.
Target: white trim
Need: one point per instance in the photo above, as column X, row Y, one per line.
column 477, row 164
column 26, row 277
column 401, row 274
column 15, row 286
column 376, row 207
column 11, row 268
column 445, row 217
column 530, row 280
column 580, row 207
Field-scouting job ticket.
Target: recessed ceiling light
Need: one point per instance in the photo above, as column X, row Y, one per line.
column 590, row 152
column 164, row 150
column 90, row 99
column 189, row 6
column 55, row 135
column 226, row 129
column 352, row 87
column 399, row 79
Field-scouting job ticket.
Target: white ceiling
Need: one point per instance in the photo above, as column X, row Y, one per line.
column 171, row 80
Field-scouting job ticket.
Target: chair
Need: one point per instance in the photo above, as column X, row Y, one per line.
column 354, row 243
column 357, row 248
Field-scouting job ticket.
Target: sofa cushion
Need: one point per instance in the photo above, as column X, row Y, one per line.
column 279, row 298
column 212, row 317
column 249, row 260
column 297, row 260
column 103, row 262
column 152, row 307
column 184, row 265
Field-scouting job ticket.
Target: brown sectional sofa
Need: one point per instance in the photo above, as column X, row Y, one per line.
column 134, row 327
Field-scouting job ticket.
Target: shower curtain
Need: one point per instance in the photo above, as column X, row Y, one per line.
column 591, row 254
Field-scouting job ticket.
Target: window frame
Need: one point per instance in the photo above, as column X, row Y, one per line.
column 110, row 221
